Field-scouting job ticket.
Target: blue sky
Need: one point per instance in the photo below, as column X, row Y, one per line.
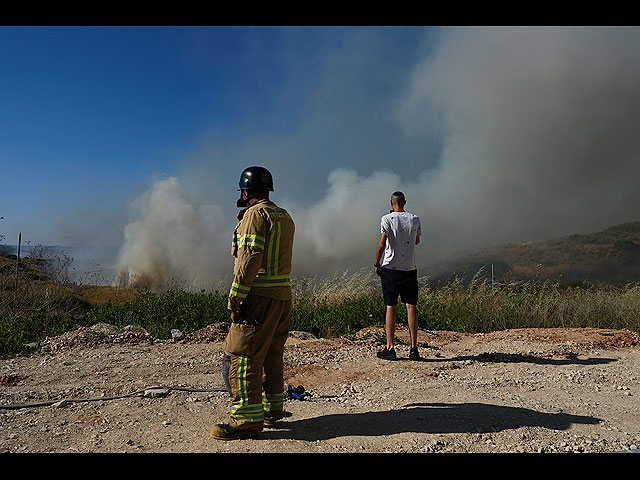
column 134, row 137
column 91, row 114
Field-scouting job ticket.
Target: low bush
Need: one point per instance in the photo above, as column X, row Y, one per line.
column 344, row 304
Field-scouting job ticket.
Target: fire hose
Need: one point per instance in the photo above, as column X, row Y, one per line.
column 297, row 393
column 137, row 392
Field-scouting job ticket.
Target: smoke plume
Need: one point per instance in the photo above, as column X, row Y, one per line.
column 173, row 241
column 538, row 131
column 536, row 138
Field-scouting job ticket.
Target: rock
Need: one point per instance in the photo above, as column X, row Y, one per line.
column 176, row 334
column 301, row 335
column 156, row 392
column 135, row 329
column 104, row 328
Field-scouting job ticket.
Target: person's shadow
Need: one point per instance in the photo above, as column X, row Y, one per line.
column 424, row 418
column 499, row 357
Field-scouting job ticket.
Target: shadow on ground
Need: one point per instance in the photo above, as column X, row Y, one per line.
column 499, row 357
column 424, row 418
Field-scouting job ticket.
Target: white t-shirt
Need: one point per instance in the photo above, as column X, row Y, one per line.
column 401, row 229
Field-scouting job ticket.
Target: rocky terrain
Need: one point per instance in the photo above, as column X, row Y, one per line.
column 553, row 390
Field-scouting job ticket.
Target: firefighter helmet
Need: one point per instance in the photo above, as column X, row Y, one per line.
column 256, row 178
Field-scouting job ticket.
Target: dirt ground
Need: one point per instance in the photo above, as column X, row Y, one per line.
column 530, row 390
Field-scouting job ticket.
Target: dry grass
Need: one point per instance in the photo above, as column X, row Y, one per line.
column 38, row 283
column 99, row 294
column 46, row 302
column 336, row 289
column 478, row 306
column 481, row 307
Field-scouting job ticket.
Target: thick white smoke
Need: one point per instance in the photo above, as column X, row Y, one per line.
column 537, row 130
column 538, row 135
column 174, row 241
column 341, row 231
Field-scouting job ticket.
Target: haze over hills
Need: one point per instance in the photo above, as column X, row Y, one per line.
column 611, row 255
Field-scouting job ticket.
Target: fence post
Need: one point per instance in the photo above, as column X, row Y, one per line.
column 17, row 263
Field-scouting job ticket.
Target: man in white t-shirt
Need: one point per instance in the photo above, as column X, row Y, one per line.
column 400, row 233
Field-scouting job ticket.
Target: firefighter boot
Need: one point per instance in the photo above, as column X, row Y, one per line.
column 224, row 431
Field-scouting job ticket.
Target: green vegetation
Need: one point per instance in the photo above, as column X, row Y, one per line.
column 158, row 313
column 535, row 285
column 345, row 304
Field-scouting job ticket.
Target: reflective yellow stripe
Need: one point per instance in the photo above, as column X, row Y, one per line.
column 238, row 290
column 248, row 240
column 277, row 252
column 273, row 402
column 273, row 252
column 272, row 281
column 248, row 413
column 243, row 411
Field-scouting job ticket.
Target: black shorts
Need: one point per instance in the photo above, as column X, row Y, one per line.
column 399, row 282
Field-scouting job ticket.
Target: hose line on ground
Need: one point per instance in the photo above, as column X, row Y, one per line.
column 79, row 400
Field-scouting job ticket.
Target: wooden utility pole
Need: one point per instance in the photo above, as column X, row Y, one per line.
column 18, row 261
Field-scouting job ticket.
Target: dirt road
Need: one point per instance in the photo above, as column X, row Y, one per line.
column 527, row 390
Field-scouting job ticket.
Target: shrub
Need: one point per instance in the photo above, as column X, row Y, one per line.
column 346, row 303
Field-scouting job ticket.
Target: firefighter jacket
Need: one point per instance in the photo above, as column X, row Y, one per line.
column 263, row 250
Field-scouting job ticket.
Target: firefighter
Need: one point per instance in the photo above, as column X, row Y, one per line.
column 260, row 304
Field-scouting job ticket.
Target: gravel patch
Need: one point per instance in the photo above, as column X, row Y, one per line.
column 526, row 390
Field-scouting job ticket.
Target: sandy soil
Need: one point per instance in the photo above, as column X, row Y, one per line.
column 529, row 390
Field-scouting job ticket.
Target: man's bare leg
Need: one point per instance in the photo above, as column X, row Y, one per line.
column 390, row 325
column 412, row 319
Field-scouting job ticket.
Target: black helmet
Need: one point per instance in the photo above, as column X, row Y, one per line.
column 256, row 178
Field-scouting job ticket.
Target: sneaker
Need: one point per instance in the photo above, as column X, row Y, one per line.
column 413, row 354
column 224, row 431
column 387, row 354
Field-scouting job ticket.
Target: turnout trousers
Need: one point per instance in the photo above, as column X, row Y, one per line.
column 255, row 348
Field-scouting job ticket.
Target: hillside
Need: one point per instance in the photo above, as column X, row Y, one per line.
column 611, row 255
column 32, row 269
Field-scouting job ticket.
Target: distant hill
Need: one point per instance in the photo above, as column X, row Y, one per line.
column 609, row 256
